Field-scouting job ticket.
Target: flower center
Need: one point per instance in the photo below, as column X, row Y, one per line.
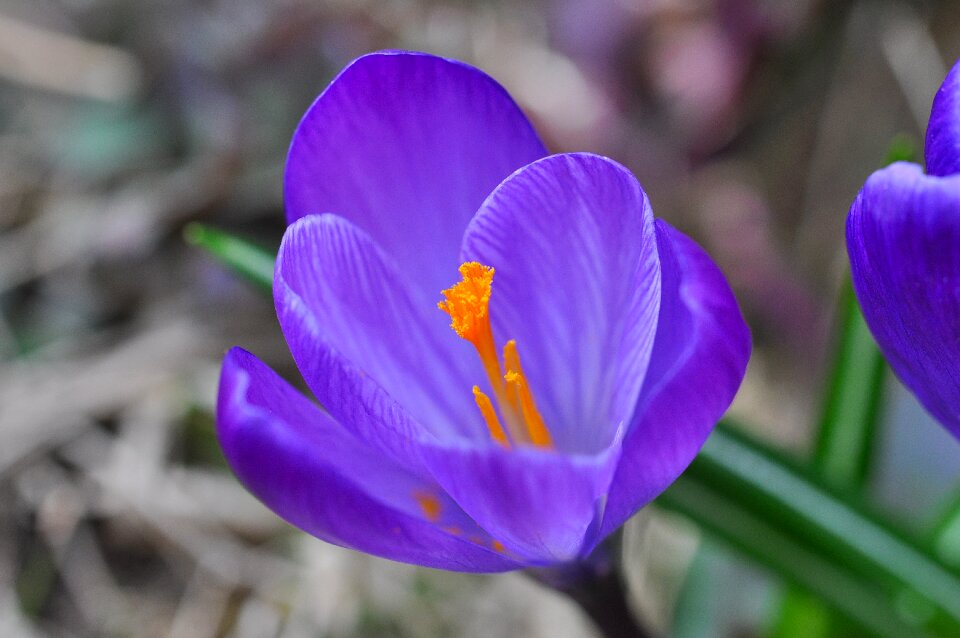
column 468, row 304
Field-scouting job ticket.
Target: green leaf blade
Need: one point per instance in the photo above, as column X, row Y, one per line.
column 848, row 424
column 946, row 533
column 819, row 537
column 249, row 260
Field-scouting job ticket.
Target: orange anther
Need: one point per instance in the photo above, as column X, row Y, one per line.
column 537, row 430
column 490, row 416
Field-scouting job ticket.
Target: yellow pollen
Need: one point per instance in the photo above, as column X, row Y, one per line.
column 497, row 546
column 429, row 505
column 468, row 303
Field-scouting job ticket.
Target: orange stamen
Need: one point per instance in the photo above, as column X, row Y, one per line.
column 537, row 430
column 468, row 304
column 513, row 394
column 490, row 416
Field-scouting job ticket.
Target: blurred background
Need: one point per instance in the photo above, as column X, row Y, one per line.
column 751, row 124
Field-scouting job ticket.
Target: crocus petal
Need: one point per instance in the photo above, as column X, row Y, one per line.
column 577, row 285
column 317, row 476
column 943, row 132
column 539, row 504
column 363, row 341
column 903, row 237
column 407, row 146
column 699, row 359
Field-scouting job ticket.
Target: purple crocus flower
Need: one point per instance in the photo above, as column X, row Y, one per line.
column 432, row 448
column 903, row 237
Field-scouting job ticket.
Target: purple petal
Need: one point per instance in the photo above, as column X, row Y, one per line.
column 369, row 350
column 407, row 146
column 577, row 284
column 903, row 237
column 315, row 475
column 542, row 505
column 943, row 132
column 699, row 359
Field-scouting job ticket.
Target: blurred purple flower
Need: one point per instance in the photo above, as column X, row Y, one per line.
column 903, row 236
column 407, row 166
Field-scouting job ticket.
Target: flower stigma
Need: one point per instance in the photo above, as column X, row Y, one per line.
column 468, row 303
